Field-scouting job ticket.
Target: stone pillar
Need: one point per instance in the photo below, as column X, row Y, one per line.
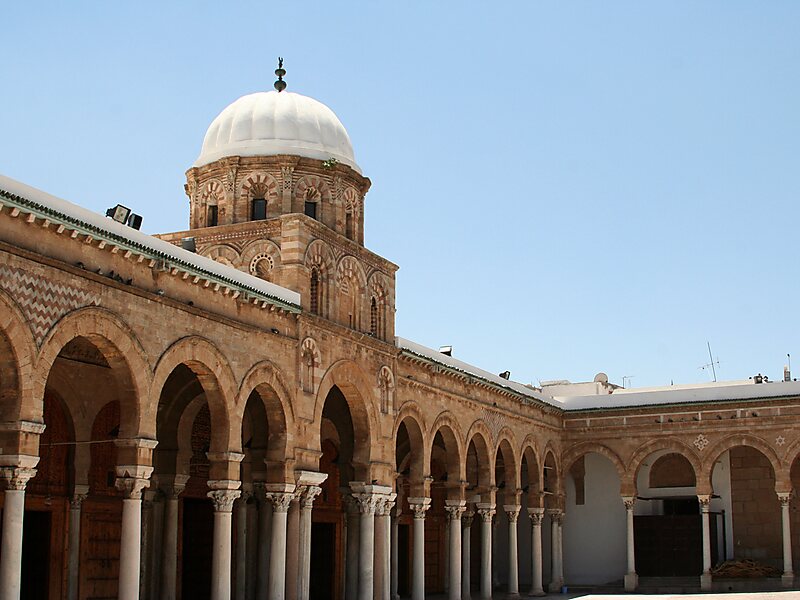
column 631, row 578
column 512, row 512
column 292, row 547
column 169, row 562
column 145, row 571
column 131, row 481
column 366, row 545
column 241, row 545
column 556, row 571
column 223, row 494
column 419, row 506
column 157, row 547
column 351, row 556
column 252, row 548
column 486, row 511
column 705, row 578
column 466, row 535
column 383, row 533
column 264, row 534
column 395, row 558
column 455, row 509
column 277, row 560
column 74, row 544
column 787, row 579
column 15, row 480
column 307, row 496
column 537, row 516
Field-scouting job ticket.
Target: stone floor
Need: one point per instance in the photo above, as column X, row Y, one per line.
column 792, row 595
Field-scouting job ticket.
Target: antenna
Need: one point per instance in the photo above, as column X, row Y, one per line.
column 713, row 363
column 628, row 377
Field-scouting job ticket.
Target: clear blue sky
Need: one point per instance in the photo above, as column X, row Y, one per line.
column 568, row 187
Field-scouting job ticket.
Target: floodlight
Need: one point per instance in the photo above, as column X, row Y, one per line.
column 446, row 350
column 135, row 221
column 119, row 213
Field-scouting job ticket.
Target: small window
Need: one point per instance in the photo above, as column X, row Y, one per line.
column 213, row 215
column 373, row 317
column 259, row 211
column 349, row 226
column 311, row 209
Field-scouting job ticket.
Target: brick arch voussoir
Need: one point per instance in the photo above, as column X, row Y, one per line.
column 120, row 347
column 216, row 377
column 671, row 444
column 16, row 397
column 779, row 467
column 575, row 452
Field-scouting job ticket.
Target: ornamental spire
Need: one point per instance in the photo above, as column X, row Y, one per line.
column 280, row 85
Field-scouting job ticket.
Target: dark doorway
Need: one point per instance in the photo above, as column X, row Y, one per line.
column 403, row 562
column 198, row 541
column 35, row 555
column 323, row 560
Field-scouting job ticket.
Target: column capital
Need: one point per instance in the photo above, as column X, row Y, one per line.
column 629, row 501
column 385, row 505
column 367, row 502
column 512, row 512
column 486, row 511
column 223, row 499
column 419, row 506
column 784, row 498
column 556, row 515
column 79, row 494
column 280, row 500
column 705, row 502
column 16, row 478
column 466, row 519
column 308, row 494
column 455, row 508
column 537, row 516
column 132, row 480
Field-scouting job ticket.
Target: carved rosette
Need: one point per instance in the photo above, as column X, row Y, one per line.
column 419, row 508
column 132, row 487
column 537, row 516
column 280, row 500
column 223, row 499
column 16, row 478
column 512, row 512
column 308, row 495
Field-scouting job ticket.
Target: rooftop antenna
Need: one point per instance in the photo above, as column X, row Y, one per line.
column 628, row 377
column 280, row 85
column 713, row 363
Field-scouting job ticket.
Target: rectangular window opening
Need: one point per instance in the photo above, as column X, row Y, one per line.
column 213, row 215
column 259, row 211
column 311, row 209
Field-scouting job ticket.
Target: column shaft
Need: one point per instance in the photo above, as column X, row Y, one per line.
column 11, row 552
column 264, row 534
column 366, row 551
column 169, row 563
column 705, row 578
column 292, row 549
column 512, row 512
column 454, row 511
column 788, row 569
column 351, row 557
column 277, row 560
column 631, row 578
column 304, row 570
column 466, row 534
column 420, row 506
column 241, row 548
column 74, row 548
column 395, row 552
column 223, row 500
column 130, row 548
column 537, row 516
column 486, row 512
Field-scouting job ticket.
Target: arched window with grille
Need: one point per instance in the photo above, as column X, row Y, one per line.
column 315, row 292
column 373, row 317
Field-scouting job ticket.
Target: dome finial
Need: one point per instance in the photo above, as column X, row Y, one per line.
column 280, row 85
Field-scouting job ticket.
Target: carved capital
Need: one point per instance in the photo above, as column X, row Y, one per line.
column 455, row 509
column 132, row 487
column 785, row 498
column 223, row 499
column 512, row 512
column 705, row 502
column 466, row 519
column 280, row 500
column 537, row 516
column 419, row 506
column 308, row 494
column 367, row 503
column 385, row 504
column 556, row 516
column 16, row 478
column 628, row 501
column 76, row 501
column 486, row 511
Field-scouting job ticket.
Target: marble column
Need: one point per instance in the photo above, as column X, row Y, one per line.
column 366, row 544
column 145, row 570
column 455, row 510
column 787, row 579
column 264, row 535
column 512, row 512
column 557, row 570
column 486, row 511
column 157, row 547
column 242, row 535
column 631, row 578
column 383, row 533
column 292, row 547
column 419, row 507
column 169, row 562
column 277, row 560
column 74, row 544
column 537, row 516
column 466, row 538
column 395, row 552
column 705, row 578
column 223, row 494
column 15, row 480
column 131, row 481
column 307, row 496
column 252, row 548
column 351, row 555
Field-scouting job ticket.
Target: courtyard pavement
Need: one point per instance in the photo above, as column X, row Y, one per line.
column 792, row 595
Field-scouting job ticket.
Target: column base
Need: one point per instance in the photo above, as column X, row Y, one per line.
column 512, row 595
column 705, row 582
column 787, row 580
column 539, row 592
column 631, row 582
column 554, row 587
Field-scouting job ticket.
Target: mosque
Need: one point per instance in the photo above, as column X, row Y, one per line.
column 226, row 412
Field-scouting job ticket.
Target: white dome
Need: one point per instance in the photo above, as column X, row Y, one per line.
column 270, row 123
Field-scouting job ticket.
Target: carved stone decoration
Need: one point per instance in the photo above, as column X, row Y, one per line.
column 132, row 487
column 486, row 512
column 628, row 501
column 700, row 442
column 556, row 516
column 705, row 502
column 76, row 501
column 784, row 498
column 512, row 512
column 310, row 363
column 466, row 519
column 367, row 503
column 385, row 505
column 286, row 175
column 537, row 516
column 419, row 506
column 455, row 510
column 386, row 387
column 308, row 494
column 16, row 478
column 780, row 440
column 280, row 500
column 230, row 179
column 223, row 499
column 494, row 420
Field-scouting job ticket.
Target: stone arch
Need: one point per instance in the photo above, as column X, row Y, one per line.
column 211, row 368
column 310, row 365
column 266, row 381
column 313, row 188
column 351, row 283
column 120, row 347
column 386, row 387
column 575, row 452
column 17, row 357
column 319, row 260
column 261, row 258
column 505, row 449
column 352, row 213
column 184, row 434
column 447, row 424
column 529, row 455
column 379, row 304
column 418, row 451
column 223, row 254
column 260, row 185
column 782, row 478
column 354, row 385
column 480, row 438
column 550, row 476
column 647, row 449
